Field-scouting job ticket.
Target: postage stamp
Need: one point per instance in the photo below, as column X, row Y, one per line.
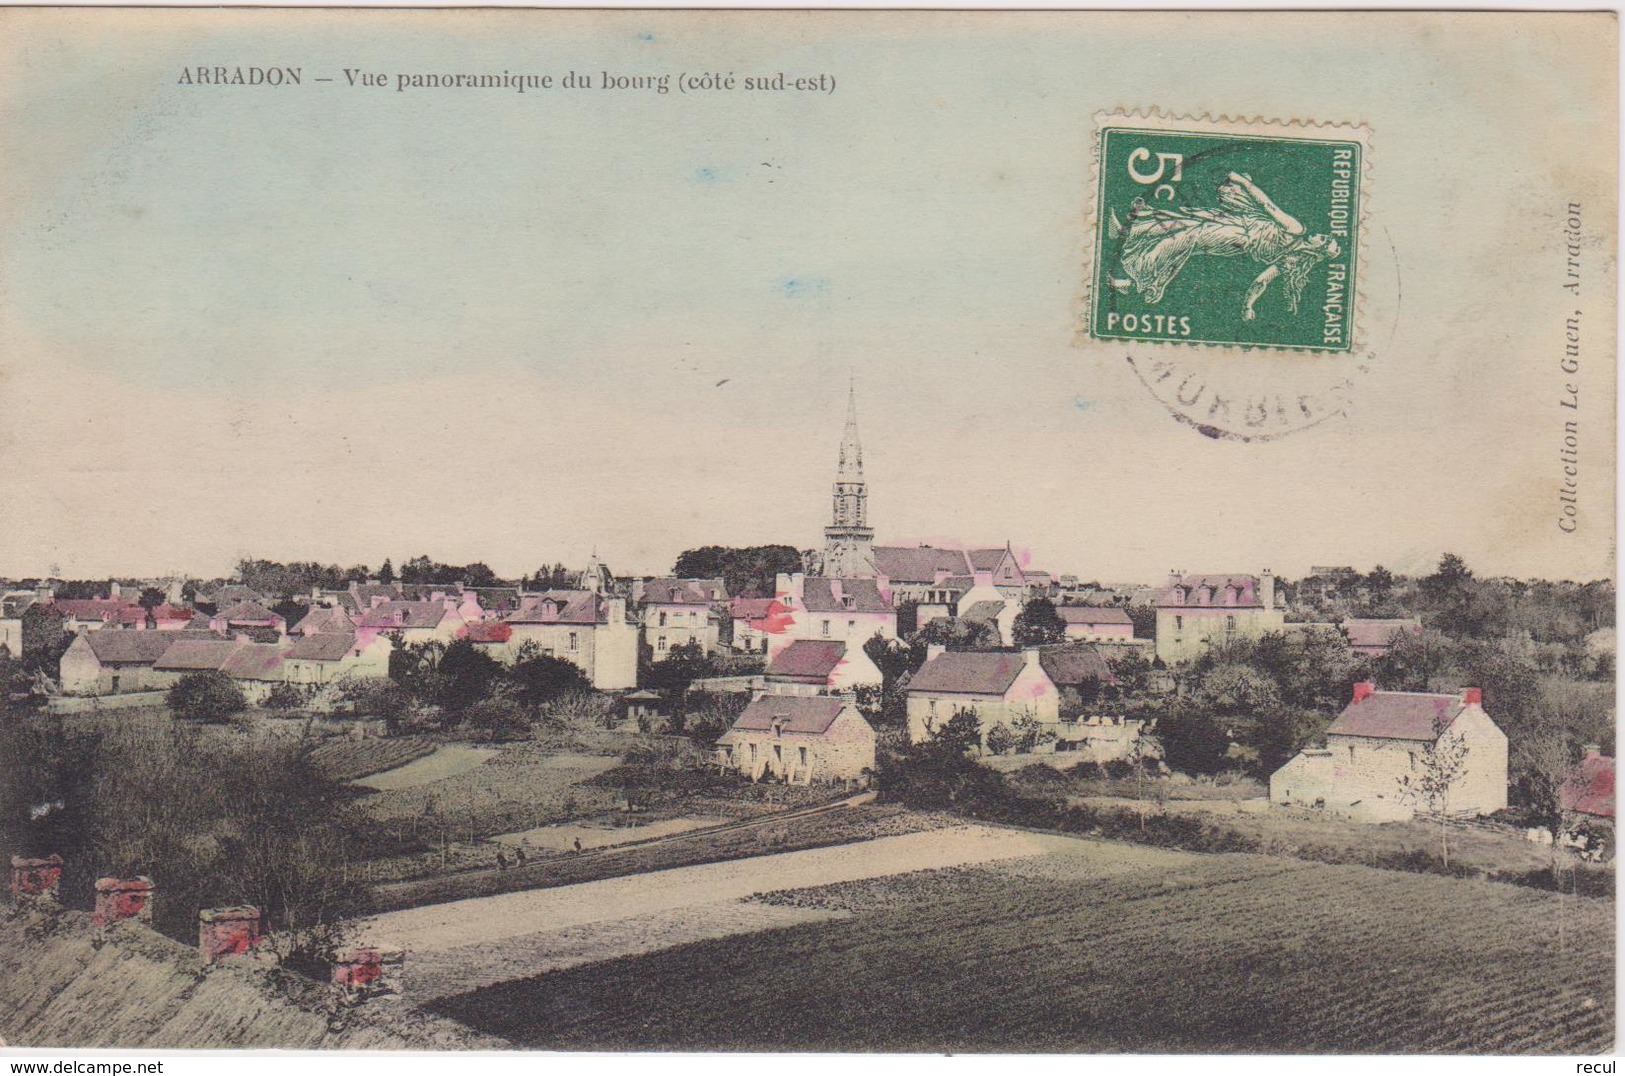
column 1235, row 242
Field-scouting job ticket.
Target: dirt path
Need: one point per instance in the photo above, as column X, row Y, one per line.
column 486, row 920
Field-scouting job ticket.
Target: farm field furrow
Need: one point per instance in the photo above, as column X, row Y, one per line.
column 1216, row 953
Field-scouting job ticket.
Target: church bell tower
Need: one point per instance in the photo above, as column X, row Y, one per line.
column 849, row 540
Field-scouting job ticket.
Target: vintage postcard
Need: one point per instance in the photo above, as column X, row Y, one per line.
column 784, row 531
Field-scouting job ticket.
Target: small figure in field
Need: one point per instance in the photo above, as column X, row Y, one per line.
column 519, row 854
column 578, row 844
column 502, row 862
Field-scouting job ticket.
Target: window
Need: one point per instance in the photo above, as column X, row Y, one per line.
column 573, row 640
column 662, row 620
column 825, row 629
column 660, row 644
column 851, row 625
column 778, row 752
column 1179, row 623
column 933, row 705
column 803, row 751
column 1230, row 623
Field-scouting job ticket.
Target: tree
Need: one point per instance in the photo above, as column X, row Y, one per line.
column 1441, row 765
column 942, row 770
column 747, row 571
column 1191, row 741
column 1144, row 618
column 538, row 680
column 957, row 634
column 1001, row 739
column 682, row 665
column 150, row 599
column 1038, row 624
column 465, row 676
column 386, row 574
column 208, row 696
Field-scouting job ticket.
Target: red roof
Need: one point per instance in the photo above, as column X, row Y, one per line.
column 965, row 672
column 489, row 631
column 754, row 608
column 1590, row 788
column 808, row 659
column 1397, row 715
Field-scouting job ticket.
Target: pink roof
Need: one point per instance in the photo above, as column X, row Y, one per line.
column 918, row 564
column 558, row 607
column 324, row 619
column 1397, row 715
column 808, row 659
column 101, row 609
column 1590, row 788
column 404, row 615
column 254, row 661
column 1224, row 590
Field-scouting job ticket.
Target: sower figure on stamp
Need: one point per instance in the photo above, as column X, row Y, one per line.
column 1161, row 241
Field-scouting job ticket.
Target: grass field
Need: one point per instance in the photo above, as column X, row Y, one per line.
column 1199, row 953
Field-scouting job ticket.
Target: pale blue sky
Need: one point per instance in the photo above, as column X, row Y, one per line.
column 355, row 323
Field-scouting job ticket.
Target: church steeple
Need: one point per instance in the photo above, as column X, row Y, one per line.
column 848, row 540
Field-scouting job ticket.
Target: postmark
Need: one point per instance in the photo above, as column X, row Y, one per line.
column 1227, row 261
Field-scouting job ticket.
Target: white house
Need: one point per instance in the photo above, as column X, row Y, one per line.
column 845, row 610
column 1195, row 612
column 1381, row 740
column 587, row 629
column 818, row 666
column 677, row 612
column 1001, row 687
column 799, row 740
column 1095, row 623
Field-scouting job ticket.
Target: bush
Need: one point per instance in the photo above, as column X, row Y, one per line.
column 206, row 696
column 500, row 720
column 286, row 696
column 1001, row 740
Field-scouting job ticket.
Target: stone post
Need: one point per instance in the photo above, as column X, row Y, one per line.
column 122, row 898
column 227, row 931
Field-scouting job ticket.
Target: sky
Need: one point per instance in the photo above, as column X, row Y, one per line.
column 346, row 324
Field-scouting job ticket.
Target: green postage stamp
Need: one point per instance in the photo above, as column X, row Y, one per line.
column 1225, row 233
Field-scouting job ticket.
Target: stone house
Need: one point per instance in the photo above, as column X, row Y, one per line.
column 799, row 740
column 327, row 657
column 589, row 630
column 1196, row 611
column 80, row 615
column 820, row 667
column 414, row 622
column 1095, row 623
column 247, row 616
column 752, row 621
column 256, row 668
column 845, row 610
column 1380, row 740
column 1000, row 686
column 324, row 619
column 677, row 612
column 113, row 661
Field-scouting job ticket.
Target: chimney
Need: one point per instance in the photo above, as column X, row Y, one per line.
column 1472, row 696
column 36, row 879
column 614, row 610
column 122, row 898
column 227, row 931
column 1593, row 750
column 1029, row 656
column 934, row 650
column 1364, row 690
column 1266, row 589
column 113, row 591
column 315, row 593
column 982, row 579
column 368, row 969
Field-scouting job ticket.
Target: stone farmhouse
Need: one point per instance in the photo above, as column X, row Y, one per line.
column 799, row 740
column 1195, row 612
column 1380, row 740
column 1000, row 686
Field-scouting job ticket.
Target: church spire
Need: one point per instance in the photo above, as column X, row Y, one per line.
column 851, row 468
